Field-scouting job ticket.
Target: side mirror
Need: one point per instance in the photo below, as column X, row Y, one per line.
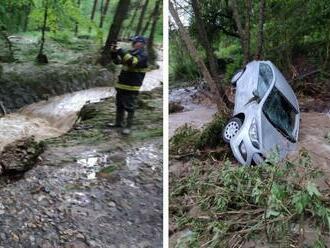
column 256, row 96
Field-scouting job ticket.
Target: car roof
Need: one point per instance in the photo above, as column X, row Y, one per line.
column 252, row 68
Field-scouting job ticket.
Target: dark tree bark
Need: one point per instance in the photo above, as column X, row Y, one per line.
column 104, row 13
column 101, row 8
column 156, row 15
column 244, row 34
column 93, row 13
column 76, row 29
column 146, row 26
column 141, row 18
column 130, row 24
column 42, row 58
column 260, row 41
column 248, row 14
column 120, row 15
column 27, row 10
column 203, row 38
column 9, row 44
column 222, row 108
column 212, row 60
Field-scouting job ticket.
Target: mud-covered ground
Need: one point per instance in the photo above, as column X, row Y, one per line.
column 91, row 187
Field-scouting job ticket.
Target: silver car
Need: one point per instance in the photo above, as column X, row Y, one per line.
column 266, row 114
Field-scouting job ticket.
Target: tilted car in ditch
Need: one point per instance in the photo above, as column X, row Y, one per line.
column 266, row 114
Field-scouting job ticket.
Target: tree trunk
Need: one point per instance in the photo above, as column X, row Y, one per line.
column 104, row 13
column 76, row 29
column 93, row 13
column 248, row 14
column 260, row 41
column 9, row 44
column 156, row 14
column 42, row 58
column 146, row 26
column 120, row 15
column 213, row 65
column 26, row 18
column 202, row 36
column 222, row 108
column 143, row 11
column 241, row 32
column 130, row 24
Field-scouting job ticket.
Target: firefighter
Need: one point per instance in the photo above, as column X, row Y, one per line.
column 135, row 64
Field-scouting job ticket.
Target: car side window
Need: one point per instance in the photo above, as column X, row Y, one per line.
column 280, row 113
column 264, row 79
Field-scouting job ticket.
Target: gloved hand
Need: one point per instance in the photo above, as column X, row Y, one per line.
column 120, row 51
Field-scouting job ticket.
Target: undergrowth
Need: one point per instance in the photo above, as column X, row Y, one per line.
column 274, row 202
column 188, row 139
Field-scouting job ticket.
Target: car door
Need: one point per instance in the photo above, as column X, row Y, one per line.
column 278, row 118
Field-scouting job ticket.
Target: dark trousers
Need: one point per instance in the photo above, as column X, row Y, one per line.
column 126, row 101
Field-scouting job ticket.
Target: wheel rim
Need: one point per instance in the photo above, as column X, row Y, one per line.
column 231, row 130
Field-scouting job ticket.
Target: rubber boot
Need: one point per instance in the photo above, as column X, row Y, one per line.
column 129, row 123
column 119, row 119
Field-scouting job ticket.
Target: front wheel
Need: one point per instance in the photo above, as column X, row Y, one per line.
column 231, row 129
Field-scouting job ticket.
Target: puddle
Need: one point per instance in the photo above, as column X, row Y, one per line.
column 91, row 164
column 129, row 183
column 79, row 198
column 147, row 155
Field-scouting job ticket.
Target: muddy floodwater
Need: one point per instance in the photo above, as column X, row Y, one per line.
column 51, row 118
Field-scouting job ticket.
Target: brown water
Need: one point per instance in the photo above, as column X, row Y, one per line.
column 56, row 116
column 50, row 118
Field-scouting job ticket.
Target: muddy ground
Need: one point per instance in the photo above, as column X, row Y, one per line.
column 91, row 187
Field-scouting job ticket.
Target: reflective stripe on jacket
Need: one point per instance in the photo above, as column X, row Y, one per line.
column 135, row 65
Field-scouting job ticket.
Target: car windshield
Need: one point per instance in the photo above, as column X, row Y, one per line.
column 280, row 113
column 265, row 78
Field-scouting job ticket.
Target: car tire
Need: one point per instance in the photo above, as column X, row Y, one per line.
column 231, row 129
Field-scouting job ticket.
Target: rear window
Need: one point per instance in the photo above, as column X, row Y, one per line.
column 265, row 78
column 280, row 113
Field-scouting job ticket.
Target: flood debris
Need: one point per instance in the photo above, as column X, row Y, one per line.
column 21, row 155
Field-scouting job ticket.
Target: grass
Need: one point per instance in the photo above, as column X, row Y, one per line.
column 221, row 205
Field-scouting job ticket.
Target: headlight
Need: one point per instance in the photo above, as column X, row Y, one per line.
column 253, row 133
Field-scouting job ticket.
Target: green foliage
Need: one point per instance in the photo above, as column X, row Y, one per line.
column 253, row 201
column 181, row 65
column 296, row 35
column 12, row 13
column 184, row 140
column 61, row 14
column 211, row 136
column 188, row 139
